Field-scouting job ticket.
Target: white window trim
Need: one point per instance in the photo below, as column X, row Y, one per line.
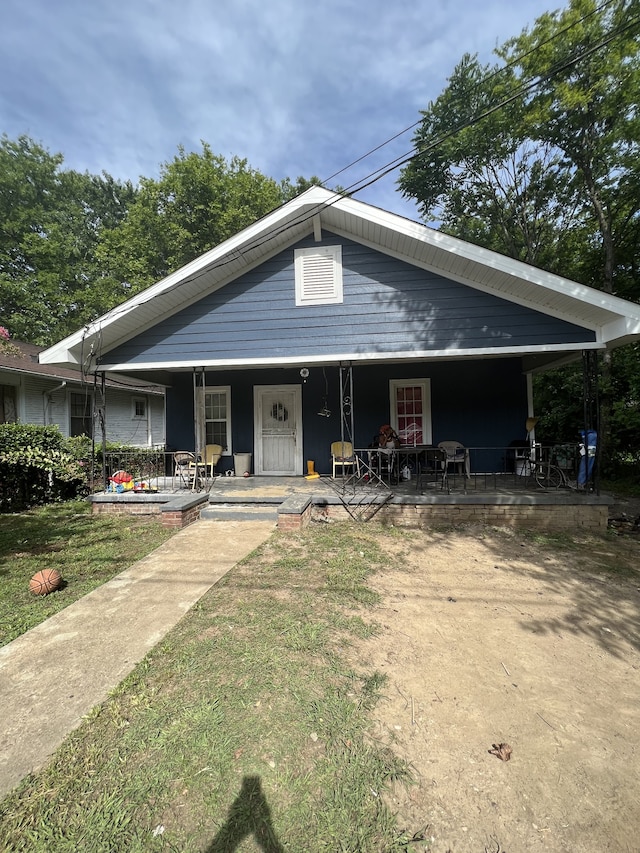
column 220, row 389
column 86, row 395
column 134, row 415
column 394, row 385
column 326, row 262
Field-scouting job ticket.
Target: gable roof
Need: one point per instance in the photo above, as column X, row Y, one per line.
column 614, row 321
column 25, row 361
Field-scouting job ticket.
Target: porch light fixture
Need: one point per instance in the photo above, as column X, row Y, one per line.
column 324, row 412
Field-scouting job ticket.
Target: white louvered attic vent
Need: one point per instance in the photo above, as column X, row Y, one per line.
column 318, row 275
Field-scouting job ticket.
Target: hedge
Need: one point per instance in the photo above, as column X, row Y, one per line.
column 36, row 467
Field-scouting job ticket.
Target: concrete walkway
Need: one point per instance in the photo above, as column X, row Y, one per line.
column 57, row 672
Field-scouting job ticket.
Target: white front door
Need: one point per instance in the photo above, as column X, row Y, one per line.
column 278, row 426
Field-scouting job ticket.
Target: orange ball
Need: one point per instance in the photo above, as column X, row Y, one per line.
column 46, row 581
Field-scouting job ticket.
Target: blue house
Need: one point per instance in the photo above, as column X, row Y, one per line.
column 328, row 312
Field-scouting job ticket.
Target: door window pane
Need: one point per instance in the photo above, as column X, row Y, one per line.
column 411, row 410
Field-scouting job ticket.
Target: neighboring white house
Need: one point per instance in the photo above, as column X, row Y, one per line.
column 43, row 394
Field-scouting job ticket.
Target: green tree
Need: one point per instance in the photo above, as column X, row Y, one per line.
column 50, row 223
column 586, row 60
column 541, row 160
column 199, row 200
column 485, row 181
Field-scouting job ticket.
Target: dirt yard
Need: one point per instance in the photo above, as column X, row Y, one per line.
column 492, row 637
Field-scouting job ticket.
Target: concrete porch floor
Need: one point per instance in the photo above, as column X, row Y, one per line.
column 493, row 499
column 503, row 500
column 479, row 489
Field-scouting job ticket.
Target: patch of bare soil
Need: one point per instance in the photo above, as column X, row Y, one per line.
column 624, row 514
column 493, row 638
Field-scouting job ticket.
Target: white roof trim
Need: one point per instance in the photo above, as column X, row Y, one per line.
column 612, row 319
column 425, row 355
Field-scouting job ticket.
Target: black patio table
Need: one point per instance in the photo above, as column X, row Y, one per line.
column 390, row 461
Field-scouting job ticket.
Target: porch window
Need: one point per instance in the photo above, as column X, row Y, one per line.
column 81, row 420
column 8, row 413
column 217, row 417
column 318, row 273
column 411, row 410
column 139, row 406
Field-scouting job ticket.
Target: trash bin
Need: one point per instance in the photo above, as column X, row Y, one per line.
column 242, row 464
column 522, row 467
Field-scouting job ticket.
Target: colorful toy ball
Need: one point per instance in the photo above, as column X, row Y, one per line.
column 46, row 581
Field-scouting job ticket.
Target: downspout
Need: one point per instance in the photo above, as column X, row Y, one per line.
column 46, row 400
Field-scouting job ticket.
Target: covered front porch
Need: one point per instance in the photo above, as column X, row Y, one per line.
column 329, row 319
column 501, row 498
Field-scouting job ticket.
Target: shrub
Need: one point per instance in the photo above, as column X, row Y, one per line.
column 36, row 467
column 140, row 461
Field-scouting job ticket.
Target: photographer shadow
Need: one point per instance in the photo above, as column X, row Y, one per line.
column 249, row 814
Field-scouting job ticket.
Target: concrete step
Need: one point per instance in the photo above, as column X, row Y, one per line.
column 240, row 512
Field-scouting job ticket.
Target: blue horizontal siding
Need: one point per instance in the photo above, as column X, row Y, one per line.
column 389, row 306
column 482, row 403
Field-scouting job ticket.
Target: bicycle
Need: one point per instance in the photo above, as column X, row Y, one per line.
column 547, row 473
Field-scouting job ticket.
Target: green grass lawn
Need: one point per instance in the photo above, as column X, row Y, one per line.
column 245, row 729
column 87, row 551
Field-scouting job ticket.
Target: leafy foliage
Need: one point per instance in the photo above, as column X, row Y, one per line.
column 539, row 159
column 35, row 467
column 199, row 200
column 52, row 220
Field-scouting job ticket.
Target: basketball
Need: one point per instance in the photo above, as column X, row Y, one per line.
column 44, row 582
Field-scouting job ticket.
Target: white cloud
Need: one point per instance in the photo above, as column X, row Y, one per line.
column 296, row 88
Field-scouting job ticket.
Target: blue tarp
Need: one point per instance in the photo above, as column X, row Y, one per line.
column 587, row 456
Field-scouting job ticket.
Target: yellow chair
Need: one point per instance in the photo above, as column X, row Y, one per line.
column 342, row 456
column 212, row 454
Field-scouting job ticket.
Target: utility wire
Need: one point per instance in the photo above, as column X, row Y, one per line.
column 480, row 83
column 402, row 160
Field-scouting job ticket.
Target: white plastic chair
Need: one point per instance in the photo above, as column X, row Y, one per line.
column 457, row 455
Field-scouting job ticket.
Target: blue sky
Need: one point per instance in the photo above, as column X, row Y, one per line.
column 295, row 87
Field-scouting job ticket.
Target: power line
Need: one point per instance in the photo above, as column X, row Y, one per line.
column 480, row 83
column 402, row 160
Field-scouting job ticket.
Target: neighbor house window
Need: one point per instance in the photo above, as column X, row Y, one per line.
column 411, row 410
column 217, row 416
column 318, row 274
column 8, row 414
column 81, row 415
column 139, row 407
